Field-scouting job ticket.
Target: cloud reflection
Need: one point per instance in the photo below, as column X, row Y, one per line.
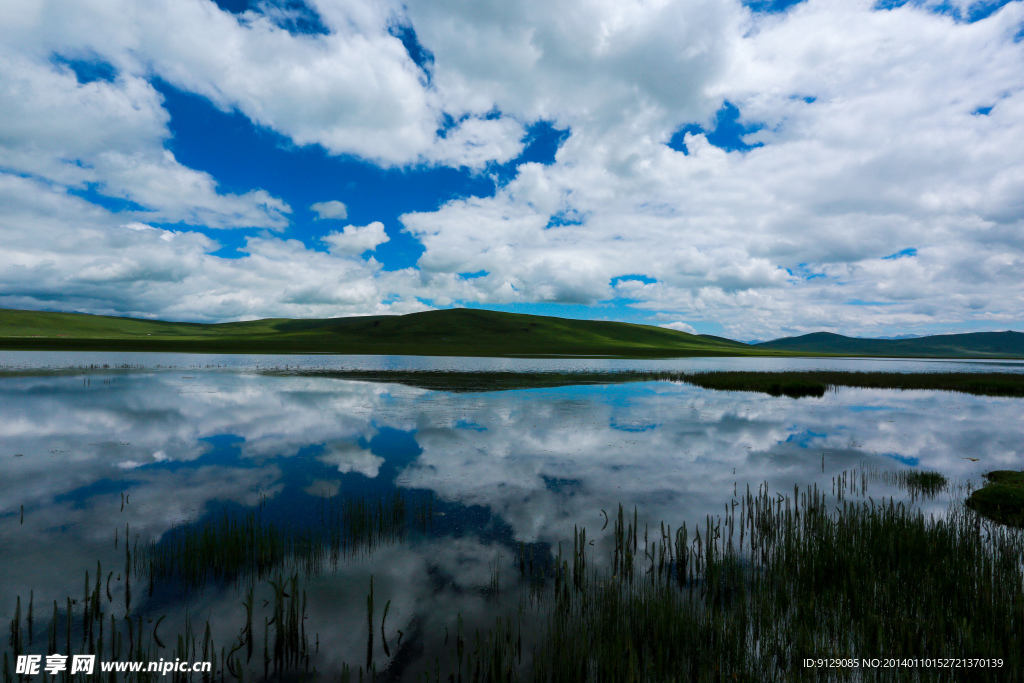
column 507, row 467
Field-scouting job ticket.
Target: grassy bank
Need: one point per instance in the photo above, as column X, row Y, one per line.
column 1001, row 498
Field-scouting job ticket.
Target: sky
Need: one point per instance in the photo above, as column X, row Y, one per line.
column 749, row 169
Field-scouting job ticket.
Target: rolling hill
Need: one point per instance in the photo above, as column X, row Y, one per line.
column 452, row 332
column 459, row 332
column 968, row 345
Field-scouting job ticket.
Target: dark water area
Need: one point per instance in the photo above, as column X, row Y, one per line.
column 90, row 457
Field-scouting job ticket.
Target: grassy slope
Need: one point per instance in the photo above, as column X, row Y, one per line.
column 468, row 332
column 972, row 345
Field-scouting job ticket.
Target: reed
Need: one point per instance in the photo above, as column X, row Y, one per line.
column 747, row 594
column 923, row 484
column 775, row 579
column 234, row 545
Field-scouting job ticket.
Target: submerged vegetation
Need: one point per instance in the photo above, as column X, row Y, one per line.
column 775, row 580
column 918, row 483
column 748, row 594
column 1001, row 498
column 236, row 545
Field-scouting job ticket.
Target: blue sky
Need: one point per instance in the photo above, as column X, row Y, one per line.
column 749, row 169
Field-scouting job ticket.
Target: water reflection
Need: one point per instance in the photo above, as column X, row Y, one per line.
column 505, row 467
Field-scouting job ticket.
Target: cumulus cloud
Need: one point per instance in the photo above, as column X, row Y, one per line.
column 61, row 249
column 351, row 458
column 880, row 131
column 108, row 136
column 867, row 132
column 354, row 240
column 331, row 209
column 477, row 142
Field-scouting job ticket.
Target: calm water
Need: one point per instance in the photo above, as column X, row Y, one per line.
column 505, row 468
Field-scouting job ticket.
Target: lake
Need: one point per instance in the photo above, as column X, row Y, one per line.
column 91, row 457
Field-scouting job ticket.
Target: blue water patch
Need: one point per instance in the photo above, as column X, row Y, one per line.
column 803, row 439
column 398, row 448
column 78, row 497
column 466, row 424
column 906, row 460
column 560, row 484
column 901, row 254
column 631, row 427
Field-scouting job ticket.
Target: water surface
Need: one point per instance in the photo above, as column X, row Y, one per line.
column 203, row 434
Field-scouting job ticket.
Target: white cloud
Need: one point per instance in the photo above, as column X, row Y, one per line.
column 354, row 240
column 109, row 136
column 61, row 249
column 476, row 142
column 881, row 131
column 887, row 151
column 351, row 458
column 331, row 209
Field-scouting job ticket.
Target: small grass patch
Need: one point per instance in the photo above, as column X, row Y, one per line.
column 1002, row 498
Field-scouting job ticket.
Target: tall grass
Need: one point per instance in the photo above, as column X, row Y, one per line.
column 136, row 638
column 245, row 544
column 776, row 579
column 749, row 594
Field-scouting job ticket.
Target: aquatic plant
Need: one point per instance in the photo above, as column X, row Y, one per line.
column 1001, row 498
column 777, row 579
column 236, row 544
column 748, row 594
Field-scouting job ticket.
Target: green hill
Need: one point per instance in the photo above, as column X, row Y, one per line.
column 453, row 332
column 458, row 332
column 969, row 345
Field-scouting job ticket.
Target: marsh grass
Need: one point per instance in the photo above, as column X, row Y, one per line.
column 235, row 545
column 134, row 637
column 746, row 595
column 1001, row 498
column 919, row 484
column 776, row 579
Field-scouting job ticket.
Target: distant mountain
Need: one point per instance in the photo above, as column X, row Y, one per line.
column 968, row 345
column 896, row 336
column 453, row 332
